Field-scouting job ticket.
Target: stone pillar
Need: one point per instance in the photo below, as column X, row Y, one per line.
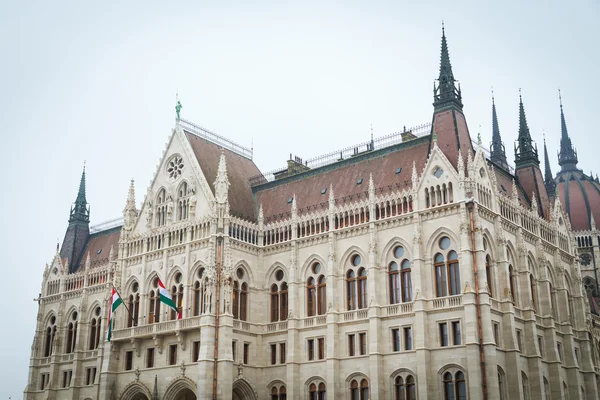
column 206, row 357
column 225, row 363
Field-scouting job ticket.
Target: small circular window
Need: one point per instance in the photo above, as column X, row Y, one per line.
column 135, row 287
column 445, row 242
column 178, row 277
column 356, row 260
column 398, row 251
column 316, row 268
column 175, row 167
column 279, row 275
column 240, row 273
column 437, row 171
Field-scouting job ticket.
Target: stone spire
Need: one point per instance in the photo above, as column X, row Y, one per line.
column 497, row 150
column 446, row 93
column 567, row 158
column 80, row 210
column 222, row 182
column 525, row 152
column 130, row 212
column 548, row 179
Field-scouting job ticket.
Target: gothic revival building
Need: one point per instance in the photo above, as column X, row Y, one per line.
column 414, row 266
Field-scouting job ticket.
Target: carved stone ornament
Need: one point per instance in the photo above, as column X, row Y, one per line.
column 182, row 368
column 137, row 374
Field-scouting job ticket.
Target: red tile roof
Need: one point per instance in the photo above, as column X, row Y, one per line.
column 532, row 181
column 451, row 129
column 583, row 198
column 239, row 170
column 307, row 186
column 98, row 246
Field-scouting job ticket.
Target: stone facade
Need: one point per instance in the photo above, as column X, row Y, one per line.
column 491, row 306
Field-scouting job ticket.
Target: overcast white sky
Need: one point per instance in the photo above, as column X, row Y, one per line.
column 97, row 83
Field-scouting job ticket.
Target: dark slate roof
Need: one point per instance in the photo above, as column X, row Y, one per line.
column 239, row 170
column 343, row 175
column 98, row 246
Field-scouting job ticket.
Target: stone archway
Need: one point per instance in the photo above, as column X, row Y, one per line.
column 242, row 390
column 135, row 391
column 181, row 389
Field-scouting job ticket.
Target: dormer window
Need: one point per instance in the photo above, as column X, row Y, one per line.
column 398, row 170
column 359, row 181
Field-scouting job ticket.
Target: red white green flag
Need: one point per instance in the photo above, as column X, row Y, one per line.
column 165, row 297
column 115, row 301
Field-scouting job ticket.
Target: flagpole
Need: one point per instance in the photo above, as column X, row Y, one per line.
column 123, row 302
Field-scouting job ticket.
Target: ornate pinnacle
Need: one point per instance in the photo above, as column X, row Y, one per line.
column 567, row 158
column 525, row 152
column 460, row 165
column 415, row 175
column 178, row 107
column 548, row 180
column 331, row 197
column 371, row 187
column 446, row 92
column 294, row 205
column 130, row 204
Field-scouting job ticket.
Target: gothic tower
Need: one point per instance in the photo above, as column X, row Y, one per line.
column 497, row 151
column 548, row 179
column 527, row 165
column 78, row 229
column 449, row 123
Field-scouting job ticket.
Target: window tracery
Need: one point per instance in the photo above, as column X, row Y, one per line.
column 240, row 295
column 399, row 276
column 316, row 292
column 447, row 271
column 356, row 284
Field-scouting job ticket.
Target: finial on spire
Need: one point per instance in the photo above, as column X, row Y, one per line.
column 479, row 136
column 447, row 92
column 435, row 137
column 492, row 95
column 525, row 153
column 567, row 157
column 560, row 98
column 80, row 211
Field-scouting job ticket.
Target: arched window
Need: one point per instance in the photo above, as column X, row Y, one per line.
column 513, row 283
column 240, row 295
column 312, row 392
column 278, row 394
column 399, row 389
column 200, row 293
column 400, row 282
column 501, row 384
column 177, row 296
column 322, row 392
column 161, row 208
column 362, row 288
column 525, row 386
column 354, row 390
column 532, row 287
column 447, row 273
column 95, row 328
column 310, row 297
column 71, row 333
column 455, row 387
column 236, row 300
column 547, row 389
column 321, row 295
column 133, row 303
column 316, row 292
column 49, row 337
column 183, row 202
column 364, row 390
column 154, row 303
column 279, row 298
column 356, row 284
column 488, row 274
column 351, row 290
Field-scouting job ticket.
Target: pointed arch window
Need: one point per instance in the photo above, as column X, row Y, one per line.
column 356, row 284
column 161, row 208
column 488, row 274
column 199, row 293
column 279, row 302
column 49, row 336
column 513, row 283
column 240, row 296
column 177, row 296
column 351, row 290
column 154, row 304
column 71, row 334
column 399, row 276
column 405, row 388
column 95, row 328
column 316, row 292
column 532, row 288
column 321, row 295
column 183, row 201
column 359, row 391
column 454, row 386
column 311, row 295
column 447, row 273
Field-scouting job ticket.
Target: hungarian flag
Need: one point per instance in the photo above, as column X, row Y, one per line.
column 165, row 297
column 115, row 301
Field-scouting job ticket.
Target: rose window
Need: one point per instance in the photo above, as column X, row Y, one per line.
column 174, row 167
